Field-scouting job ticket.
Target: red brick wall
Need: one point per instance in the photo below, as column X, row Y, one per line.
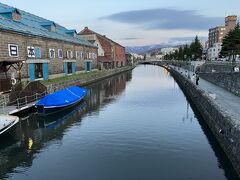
column 120, row 55
column 107, row 47
column 112, row 51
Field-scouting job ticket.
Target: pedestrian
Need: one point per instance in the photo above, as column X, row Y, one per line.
column 186, row 74
column 193, row 78
column 197, row 79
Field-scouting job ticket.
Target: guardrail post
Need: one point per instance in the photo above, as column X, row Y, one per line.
column 25, row 100
column 17, row 103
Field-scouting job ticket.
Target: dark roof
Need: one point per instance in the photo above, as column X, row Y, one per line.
column 34, row 25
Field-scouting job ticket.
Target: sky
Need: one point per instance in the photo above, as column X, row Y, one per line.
column 135, row 22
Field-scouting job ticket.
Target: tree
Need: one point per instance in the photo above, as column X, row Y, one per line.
column 231, row 44
column 196, row 49
column 180, row 53
column 186, row 52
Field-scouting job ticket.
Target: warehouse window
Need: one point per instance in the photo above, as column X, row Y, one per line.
column 51, row 53
column 69, row 54
column 60, row 53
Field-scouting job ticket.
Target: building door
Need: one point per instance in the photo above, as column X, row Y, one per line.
column 38, row 70
column 88, row 66
column 69, row 66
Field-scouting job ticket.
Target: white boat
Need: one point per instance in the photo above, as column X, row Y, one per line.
column 6, row 122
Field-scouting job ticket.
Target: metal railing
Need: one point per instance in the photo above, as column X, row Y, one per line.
column 24, row 101
column 5, row 104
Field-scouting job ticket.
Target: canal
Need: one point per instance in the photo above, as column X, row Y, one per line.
column 136, row 125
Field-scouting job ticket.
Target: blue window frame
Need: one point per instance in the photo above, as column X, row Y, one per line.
column 37, row 52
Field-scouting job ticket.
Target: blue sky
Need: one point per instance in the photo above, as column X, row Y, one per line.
column 135, row 22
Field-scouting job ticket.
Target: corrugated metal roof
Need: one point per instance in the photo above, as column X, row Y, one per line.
column 34, row 25
column 7, row 10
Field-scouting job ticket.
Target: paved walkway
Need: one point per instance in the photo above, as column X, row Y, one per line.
column 226, row 100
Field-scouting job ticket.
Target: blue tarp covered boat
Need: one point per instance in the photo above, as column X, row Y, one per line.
column 59, row 100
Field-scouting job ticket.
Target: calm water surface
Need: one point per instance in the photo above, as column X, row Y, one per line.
column 135, row 126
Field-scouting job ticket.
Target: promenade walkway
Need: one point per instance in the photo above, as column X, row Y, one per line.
column 225, row 99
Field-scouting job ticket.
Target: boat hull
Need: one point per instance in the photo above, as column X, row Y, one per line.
column 44, row 111
column 13, row 120
column 60, row 100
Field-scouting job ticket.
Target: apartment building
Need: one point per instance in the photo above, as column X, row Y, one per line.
column 217, row 34
column 214, row 51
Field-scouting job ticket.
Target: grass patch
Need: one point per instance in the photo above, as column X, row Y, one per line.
column 79, row 76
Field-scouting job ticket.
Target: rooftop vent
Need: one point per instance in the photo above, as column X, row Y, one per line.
column 11, row 13
column 71, row 32
column 49, row 25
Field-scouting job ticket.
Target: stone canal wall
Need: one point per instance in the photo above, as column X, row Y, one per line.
column 225, row 128
column 217, row 67
column 83, row 82
column 5, row 100
column 229, row 81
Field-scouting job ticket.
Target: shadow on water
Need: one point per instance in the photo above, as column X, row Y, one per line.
column 19, row 147
column 223, row 161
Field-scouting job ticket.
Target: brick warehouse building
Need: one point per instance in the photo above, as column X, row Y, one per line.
column 110, row 53
column 37, row 48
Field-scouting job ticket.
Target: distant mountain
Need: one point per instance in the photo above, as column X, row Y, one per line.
column 143, row 49
column 149, row 48
column 175, row 42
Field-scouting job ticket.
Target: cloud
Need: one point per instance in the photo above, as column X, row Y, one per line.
column 164, row 18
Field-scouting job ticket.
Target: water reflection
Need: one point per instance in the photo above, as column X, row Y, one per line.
column 223, row 161
column 129, row 127
column 19, row 147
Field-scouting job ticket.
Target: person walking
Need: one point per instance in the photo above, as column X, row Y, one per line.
column 197, row 79
column 193, row 78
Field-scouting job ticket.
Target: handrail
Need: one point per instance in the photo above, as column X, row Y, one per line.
column 21, row 102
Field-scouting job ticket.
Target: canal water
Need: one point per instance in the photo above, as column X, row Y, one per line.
column 135, row 126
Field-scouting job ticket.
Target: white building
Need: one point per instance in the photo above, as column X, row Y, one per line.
column 160, row 56
column 169, row 50
column 137, row 56
column 213, row 52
